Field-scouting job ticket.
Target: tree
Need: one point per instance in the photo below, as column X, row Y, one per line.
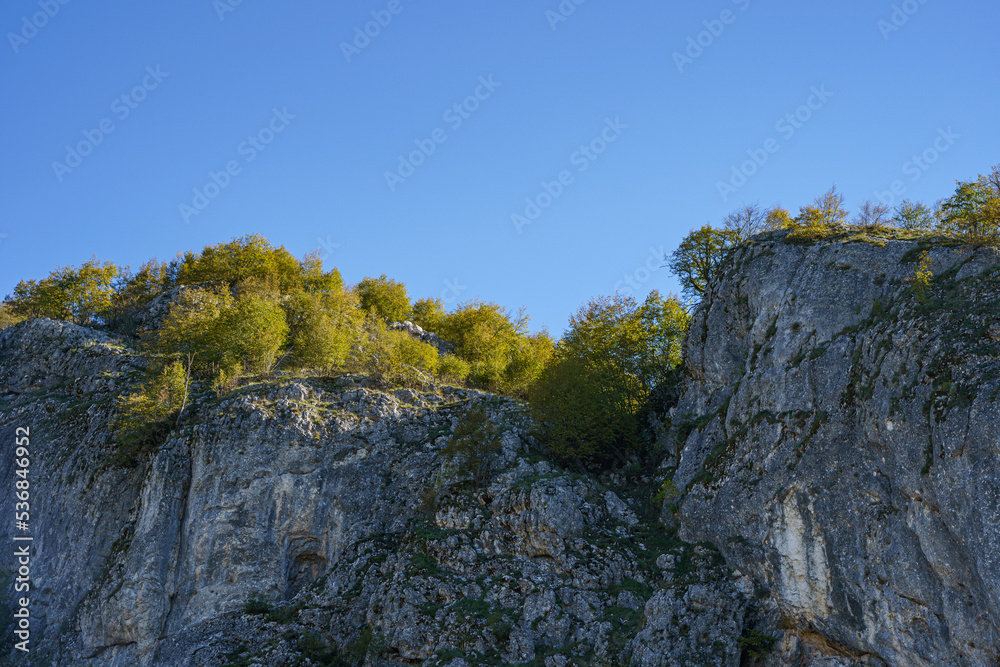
column 872, row 215
column 191, row 330
column 384, row 298
column 502, row 355
column 777, row 218
column 588, row 401
column 974, row 209
column 81, row 295
column 746, row 221
column 913, row 216
column 250, row 257
column 253, row 331
column 828, row 208
column 8, row 317
column 428, row 314
column 321, row 327
column 147, row 412
column 699, row 256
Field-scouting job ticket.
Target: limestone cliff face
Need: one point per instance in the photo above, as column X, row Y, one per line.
column 838, row 438
column 331, row 506
column 835, row 444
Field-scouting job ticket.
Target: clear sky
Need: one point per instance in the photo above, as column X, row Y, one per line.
column 309, row 115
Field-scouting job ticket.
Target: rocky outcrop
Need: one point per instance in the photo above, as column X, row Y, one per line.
column 837, row 438
column 303, row 519
column 429, row 337
column 830, row 472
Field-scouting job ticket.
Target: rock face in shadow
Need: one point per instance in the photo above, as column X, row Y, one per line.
column 838, row 438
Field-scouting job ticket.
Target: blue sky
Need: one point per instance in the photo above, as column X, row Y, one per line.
column 584, row 109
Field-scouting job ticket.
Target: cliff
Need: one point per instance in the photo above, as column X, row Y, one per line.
column 838, row 438
column 834, row 442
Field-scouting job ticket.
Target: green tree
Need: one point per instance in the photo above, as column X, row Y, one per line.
column 384, row 298
column 913, row 215
column 428, row 314
column 778, row 218
column 393, row 356
column 253, row 331
column 192, row 331
column 502, row 355
column 974, row 209
column 8, row 317
column 250, row 257
column 589, row 400
column 148, row 412
column 81, row 295
column 827, row 209
column 322, row 327
column 699, row 256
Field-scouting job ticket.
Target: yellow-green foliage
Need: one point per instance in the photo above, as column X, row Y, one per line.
column 154, row 404
column 227, row 378
column 322, row 327
column 8, row 317
column 428, row 314
column 699, row 256
column 588, row 400
column 250, row 257
column 922, row 278
column 974, row 209
column 452, row 369
column 253, row 331
column 81, row 295
column 501, row 354
column 394, row 356
column 384, row 298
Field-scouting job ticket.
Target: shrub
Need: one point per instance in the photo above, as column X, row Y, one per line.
column 147, row 413
column 253, row 331
column 8, row 317
column 393, row 356
column 250, row 257
column 384, row 298
column 452, row 369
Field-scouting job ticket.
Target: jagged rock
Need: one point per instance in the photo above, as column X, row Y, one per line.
column 296, row 518
column 846, row 455
column 415, row 330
